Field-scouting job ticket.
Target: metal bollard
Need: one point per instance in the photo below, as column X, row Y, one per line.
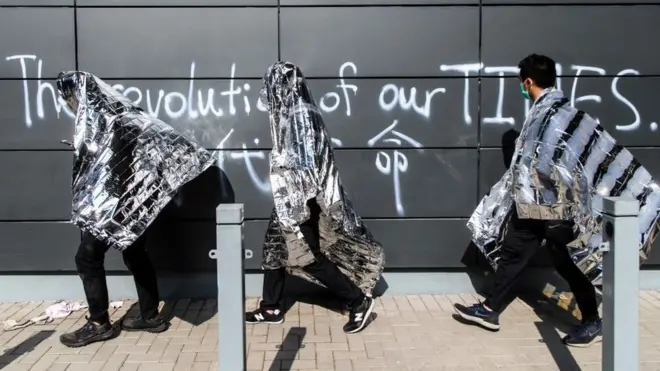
column 230, row 255
column 620, row 285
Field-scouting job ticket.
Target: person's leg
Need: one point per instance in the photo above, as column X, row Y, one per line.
column 520, row 242
column 589, row 332
column 271, row 308
column 360, row 305
column 329, row 274
column 273, row 288
column 90, row 261
column 139, row 263
column 90, row 265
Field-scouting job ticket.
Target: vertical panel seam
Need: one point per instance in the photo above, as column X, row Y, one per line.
column 75, row 32
column 279, row 36
column 480, row 57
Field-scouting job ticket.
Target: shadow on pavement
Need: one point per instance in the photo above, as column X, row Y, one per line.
column 288, row 350
column 26, row 346
column 560, row 353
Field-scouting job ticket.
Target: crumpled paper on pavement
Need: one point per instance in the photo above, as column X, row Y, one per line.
column 58, row 310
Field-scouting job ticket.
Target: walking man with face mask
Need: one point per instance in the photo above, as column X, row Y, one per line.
column 535, row 214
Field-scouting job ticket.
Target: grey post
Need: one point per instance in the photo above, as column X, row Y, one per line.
column 230, row 255
column 620, row 284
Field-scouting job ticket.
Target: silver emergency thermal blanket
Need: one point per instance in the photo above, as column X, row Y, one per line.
column 127, row 164
column 564, row 164
column 302, row 168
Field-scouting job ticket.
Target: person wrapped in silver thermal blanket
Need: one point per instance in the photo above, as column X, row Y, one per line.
column 314, row 231
column 563, row 165
column 127, row 167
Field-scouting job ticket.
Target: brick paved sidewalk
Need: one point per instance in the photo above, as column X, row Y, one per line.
column 415, row 332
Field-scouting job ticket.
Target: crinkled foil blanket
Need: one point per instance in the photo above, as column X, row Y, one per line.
column 302, row 168
column 127, row 164
column 582, row 163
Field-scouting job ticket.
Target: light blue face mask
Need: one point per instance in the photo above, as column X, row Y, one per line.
column 523, row 91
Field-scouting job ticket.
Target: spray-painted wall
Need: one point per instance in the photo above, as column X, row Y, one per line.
column 419, row 100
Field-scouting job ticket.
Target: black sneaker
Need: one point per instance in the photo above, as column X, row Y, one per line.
column 359, row 315
column 265, row 316
column 479, row 315
column 154, row 325
column 89, row 333
column 584, row 335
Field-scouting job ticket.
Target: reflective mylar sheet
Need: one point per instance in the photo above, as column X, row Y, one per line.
column 563, row 166
column 127, row 164
column 302, row 168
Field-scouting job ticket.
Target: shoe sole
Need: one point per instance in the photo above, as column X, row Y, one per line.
column 154, row 330
column 597, row 339
column 477, row 320
column 367, row 316
column 267, row 322
column 103, row 337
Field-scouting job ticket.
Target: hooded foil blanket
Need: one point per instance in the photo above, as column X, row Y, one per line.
column 563, row 165
column 302, row 168
column 127, row 164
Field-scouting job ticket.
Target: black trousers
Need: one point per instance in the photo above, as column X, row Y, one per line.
column 521, row 241
column 90, row 260
column 322, row 269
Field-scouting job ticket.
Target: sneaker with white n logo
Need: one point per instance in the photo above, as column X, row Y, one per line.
column 359, row 316
column 265, row 316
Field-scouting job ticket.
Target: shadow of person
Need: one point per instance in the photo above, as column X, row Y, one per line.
column 509, row 146
column 28, row 345
column 477, row 266
column 180, row 241
column 184, row 233
column 285, row 357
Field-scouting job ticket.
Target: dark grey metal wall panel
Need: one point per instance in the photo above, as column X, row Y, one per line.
column 35, row 185
column 491, row 168
column 366, row 60
column 29, row 117
column 431, row 175
column 36, row 2
column 228, row 111
column 427, row 243
column 384, row 41
column 654, row 259
column 412, row 243
column 184, row 247
column 129, row 3
column 38, row 246
column 625, row 106
column 153, row 42
column 40, row 186
column 375, row 2
column 428, row 112
column 564, row 2
column 381, row 184
column 583, row 37
column 648, row 157
column 41, row 43
column 217, row 113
